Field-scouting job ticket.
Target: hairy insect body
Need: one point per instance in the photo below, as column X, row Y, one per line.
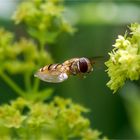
column 59, row 72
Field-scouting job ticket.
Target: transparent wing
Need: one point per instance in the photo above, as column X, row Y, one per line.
column 98, row 61
column 51, row 76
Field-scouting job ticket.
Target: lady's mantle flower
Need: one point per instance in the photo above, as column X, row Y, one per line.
column 54, row 120
column 124, row 62
column 44, row 19
column 20, row 56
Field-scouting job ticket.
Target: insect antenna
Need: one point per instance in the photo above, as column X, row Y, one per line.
column 98, row 61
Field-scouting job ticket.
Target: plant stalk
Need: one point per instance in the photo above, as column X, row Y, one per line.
column 37, row 81
column 27, row 81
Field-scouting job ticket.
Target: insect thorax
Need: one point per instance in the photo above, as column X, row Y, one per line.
column 80, row 65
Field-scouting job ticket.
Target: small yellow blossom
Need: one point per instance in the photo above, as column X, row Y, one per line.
column 124, row 62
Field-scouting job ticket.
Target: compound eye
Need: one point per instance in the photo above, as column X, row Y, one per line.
column 83, row 65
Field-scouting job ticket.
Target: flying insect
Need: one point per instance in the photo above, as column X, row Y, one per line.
column 56, row 73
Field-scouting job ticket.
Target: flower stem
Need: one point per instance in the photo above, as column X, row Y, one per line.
column 37, row 81
column 27, row 81
column 36, row 85
column 12, row 84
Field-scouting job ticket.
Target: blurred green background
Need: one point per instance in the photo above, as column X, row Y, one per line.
column 98, row 24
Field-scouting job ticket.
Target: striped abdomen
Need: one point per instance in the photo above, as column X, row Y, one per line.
column 51, row 67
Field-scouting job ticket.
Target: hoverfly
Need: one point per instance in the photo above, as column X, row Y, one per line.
column 56, row 73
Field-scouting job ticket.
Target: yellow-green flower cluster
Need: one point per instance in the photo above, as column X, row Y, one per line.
column 59, row 119
column 124, row 62
column 44, row 19
column 20, row 56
